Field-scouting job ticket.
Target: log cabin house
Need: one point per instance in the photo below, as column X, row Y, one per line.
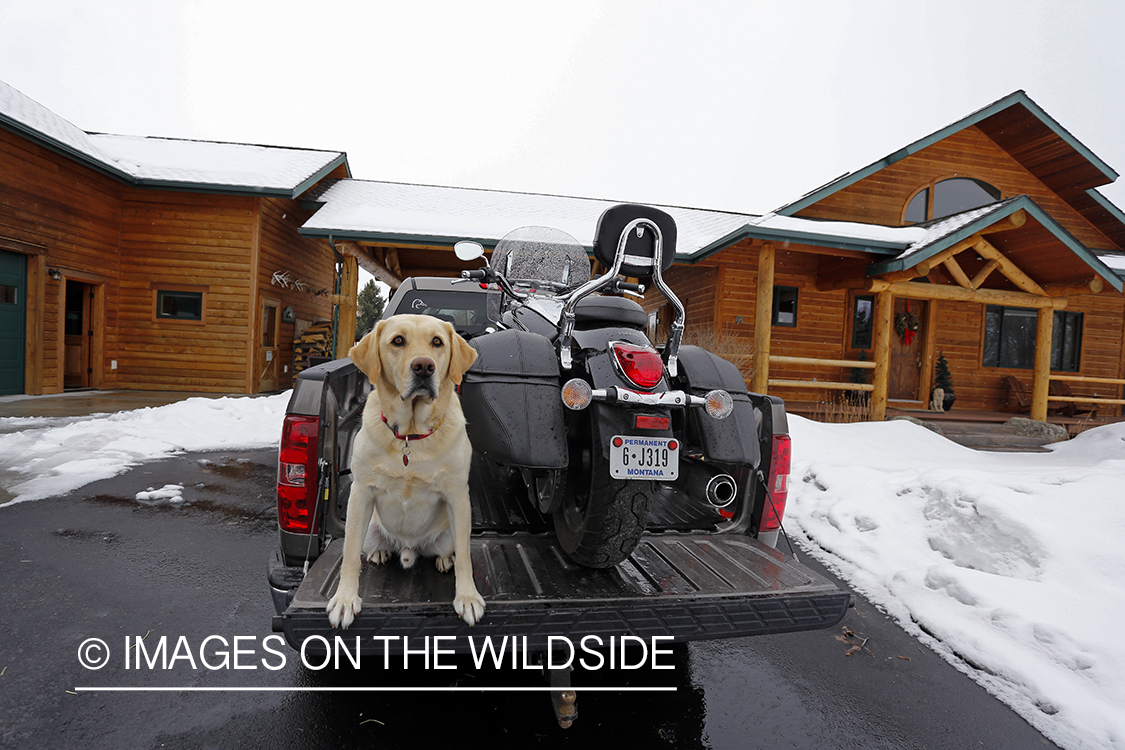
column 986, row 242
column 153, row 264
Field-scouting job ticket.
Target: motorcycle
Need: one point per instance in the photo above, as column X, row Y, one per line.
column 569, row 391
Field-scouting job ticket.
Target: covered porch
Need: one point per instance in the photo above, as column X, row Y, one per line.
column 958, row 272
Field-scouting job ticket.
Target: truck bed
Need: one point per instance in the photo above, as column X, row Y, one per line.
column 688, row 586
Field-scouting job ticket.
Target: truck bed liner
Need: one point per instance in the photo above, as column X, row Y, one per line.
column 688, row 586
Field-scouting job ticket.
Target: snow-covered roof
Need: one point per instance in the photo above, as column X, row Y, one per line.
column 389, row 212
column 1115, row 262
column 169, row 162
column 943, row 233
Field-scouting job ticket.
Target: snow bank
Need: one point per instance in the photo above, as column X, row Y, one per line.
column 1008, row 565
column 44, row 457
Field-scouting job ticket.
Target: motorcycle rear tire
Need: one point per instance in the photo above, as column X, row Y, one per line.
column 600, row 519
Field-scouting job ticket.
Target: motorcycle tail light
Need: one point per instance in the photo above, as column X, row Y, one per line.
column 777, row 491
column 297, row 475
column 641, row 365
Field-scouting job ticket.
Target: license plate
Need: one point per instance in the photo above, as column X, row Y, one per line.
column 632, row 457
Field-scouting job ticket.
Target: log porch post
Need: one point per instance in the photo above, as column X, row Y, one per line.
column 1041, row 381
column 884, row 322
column 763, row 320
column 347, row 304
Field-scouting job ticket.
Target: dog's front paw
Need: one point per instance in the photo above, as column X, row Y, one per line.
column 343, row 608
column 445, row 564
column 378, row 557
column 469, row 606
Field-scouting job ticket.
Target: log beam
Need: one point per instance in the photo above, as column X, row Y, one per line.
column 1040, row 384
column 884, row 322
column 1015, row 221
column 916, row 290
column 369, row 263
column 346, row 306
column 983, row 273
column 1008, row 268
column 1093, row 286
column 763, row 320
column 957, row 273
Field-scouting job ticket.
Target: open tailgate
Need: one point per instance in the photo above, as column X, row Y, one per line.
column 687, row 586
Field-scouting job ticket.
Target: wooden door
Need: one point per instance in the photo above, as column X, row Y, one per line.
column 906, row 350
column 269, row 322
column 77, row 331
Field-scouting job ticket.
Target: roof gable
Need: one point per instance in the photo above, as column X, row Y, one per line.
column 1033, row 138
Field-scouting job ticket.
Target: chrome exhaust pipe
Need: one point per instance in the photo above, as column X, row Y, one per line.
column 721, row 490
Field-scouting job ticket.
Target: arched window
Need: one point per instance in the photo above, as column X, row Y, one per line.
column 947, row 197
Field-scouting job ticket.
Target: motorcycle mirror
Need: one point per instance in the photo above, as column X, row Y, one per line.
column 468, row 250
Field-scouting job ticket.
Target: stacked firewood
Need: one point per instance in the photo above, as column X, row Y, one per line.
column 316, row 341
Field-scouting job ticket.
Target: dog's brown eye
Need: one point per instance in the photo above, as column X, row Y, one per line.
column 437, row 342
column 398, row 341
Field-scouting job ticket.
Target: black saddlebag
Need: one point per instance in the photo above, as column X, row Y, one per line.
column 730, row 440
column 512, row 401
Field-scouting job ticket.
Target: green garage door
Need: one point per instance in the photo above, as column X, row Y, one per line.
column 13, row 311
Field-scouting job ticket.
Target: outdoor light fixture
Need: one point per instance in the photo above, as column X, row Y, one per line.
column 54, row 273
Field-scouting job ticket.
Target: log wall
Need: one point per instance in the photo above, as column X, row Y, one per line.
column 130, row 242
column 312, row 261
column 69, row 216
column 185, row 242
column 882, row 197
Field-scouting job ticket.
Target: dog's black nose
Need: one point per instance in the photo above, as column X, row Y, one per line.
column 423, row 367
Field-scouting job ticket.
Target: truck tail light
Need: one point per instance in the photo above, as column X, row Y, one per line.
column 777, row 491
column 641, row 365
column 297, row 474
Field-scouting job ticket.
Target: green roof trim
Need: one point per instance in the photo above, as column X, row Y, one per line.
column 770, row 234
column 1018, row 97
column 323, row 172
column 1107, row 204
column 1014, row 204
column 58, row 147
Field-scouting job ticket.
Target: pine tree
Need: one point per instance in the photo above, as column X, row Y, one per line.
column 369, row 308
column 942, row 377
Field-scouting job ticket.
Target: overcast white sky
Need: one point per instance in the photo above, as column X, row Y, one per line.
column 732, row 105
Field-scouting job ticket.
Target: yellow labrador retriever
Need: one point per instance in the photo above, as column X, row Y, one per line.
column 410, row 461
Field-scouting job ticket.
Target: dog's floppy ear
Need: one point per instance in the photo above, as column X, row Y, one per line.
column 365, row 354
column 461, row 356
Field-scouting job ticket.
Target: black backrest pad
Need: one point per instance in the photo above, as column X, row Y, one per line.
column 613, row 222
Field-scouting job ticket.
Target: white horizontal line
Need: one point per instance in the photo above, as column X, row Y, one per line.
column 381, row 689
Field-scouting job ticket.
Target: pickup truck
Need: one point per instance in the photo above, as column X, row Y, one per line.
column 698, row 573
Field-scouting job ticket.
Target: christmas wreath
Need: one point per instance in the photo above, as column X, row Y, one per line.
column 906, row 326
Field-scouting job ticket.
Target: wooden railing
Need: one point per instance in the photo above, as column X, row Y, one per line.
column 777, row 359
column 1089, row 399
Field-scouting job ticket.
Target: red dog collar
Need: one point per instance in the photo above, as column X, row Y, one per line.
column 407, row 438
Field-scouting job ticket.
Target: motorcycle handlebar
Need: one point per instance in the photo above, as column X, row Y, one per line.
column 478, row 273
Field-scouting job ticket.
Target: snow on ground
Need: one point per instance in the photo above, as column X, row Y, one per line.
column 1011, row 566
column 42, row 457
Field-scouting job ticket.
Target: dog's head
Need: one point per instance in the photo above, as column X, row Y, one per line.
column 413, row 356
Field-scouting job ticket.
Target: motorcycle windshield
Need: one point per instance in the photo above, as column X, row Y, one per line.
column 547, row 259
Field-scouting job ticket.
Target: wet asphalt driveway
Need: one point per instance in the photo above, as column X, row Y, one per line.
column 100, row 564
